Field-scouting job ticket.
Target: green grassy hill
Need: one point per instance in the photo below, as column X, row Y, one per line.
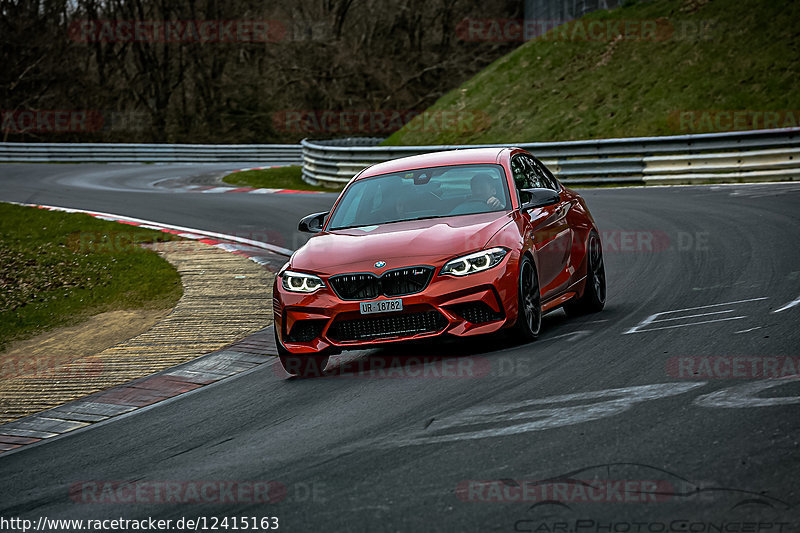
column 684, row 66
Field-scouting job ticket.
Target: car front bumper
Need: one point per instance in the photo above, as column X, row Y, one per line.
column 476, row 304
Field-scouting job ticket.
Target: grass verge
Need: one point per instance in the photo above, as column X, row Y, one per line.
column 57, row 269
column 660, row 67
column 289, row 177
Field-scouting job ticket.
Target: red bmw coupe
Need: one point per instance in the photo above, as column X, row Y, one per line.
column 464, row 242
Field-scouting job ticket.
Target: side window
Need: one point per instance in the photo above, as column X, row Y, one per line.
column 530, row 174
column 519, row 170
column 535, row 177
column 520, row 176
column 546, row 176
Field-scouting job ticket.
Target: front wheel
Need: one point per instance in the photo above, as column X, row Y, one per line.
column 300, row 365
column 594, row 295
column 529, row 319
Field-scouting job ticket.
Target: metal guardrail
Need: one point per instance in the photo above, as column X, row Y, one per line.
column 758, row 155
column 148, row 153
column 733, row 156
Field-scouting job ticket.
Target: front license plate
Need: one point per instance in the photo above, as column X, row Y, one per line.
column 382, row 306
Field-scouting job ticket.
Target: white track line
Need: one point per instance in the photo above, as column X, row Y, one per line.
column 640, row 327
column 788, row 306
column 748, row 330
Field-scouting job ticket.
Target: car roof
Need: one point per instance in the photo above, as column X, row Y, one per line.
column 463, row 156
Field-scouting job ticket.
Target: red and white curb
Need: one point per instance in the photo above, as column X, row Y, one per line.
column 212, row 189
column 242, row 356
column 250, row 248
column 256, row 168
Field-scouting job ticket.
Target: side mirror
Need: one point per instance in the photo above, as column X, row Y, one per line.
column 312, row 223
column 538, row 198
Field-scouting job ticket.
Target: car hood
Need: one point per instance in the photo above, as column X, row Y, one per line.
column 399, row 244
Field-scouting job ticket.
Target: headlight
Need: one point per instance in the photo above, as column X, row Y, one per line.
column 477, row 262
column 299, row 282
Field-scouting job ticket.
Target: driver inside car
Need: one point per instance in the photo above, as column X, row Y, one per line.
column 394, row 205
column 484, row 190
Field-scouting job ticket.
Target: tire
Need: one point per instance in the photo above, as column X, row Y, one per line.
column 594, row 294
column 300, row 365
column 529, row 302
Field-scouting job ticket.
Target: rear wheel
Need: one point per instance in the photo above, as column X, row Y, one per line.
column 594, row 295
column 300, row 365
column 529, row 319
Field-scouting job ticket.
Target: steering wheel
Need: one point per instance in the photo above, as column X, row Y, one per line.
column 469, row 205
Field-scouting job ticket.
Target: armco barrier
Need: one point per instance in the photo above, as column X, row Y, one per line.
column 747, row 156
column 149, row 153
column 761, row 155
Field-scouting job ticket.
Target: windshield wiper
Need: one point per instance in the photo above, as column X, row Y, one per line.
column 425, row 218
column 351, row 227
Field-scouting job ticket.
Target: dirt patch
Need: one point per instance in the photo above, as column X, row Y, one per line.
column 64, row 345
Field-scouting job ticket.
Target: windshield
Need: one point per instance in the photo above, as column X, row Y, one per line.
column 422, row 193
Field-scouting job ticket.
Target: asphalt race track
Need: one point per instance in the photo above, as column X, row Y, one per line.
column 654, row 415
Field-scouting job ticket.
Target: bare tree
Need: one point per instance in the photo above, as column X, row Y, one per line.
column 321, row 55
